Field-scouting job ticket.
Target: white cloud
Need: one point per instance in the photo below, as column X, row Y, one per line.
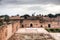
column 29, row 9
column 30, row 1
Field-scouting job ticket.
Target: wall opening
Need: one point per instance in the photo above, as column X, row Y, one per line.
column 31, row 25
column 22, row 26
column 49, row 25
column 41, row 26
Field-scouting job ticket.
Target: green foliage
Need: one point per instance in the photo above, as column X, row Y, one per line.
column 5, row 17
column 48, row 30
column 53, row 30
column 1, row 23
column 52, row 16
column 25, row 16
column 57, row 30
column 57, row 14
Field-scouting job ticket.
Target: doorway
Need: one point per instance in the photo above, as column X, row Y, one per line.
column 41, row 26
column 31, row 25
column 22, row 26
column 49, row 25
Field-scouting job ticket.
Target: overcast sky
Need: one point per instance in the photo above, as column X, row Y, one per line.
column 21, row 7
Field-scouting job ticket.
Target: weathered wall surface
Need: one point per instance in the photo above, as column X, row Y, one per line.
column 7, row 31
column 36, row 24
column 28, row 23
column 3, row 31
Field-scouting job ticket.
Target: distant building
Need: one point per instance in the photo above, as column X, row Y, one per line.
column 40, row 21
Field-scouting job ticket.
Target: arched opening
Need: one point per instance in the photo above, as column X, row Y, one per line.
column 31, row 25
column 22, row 26
column 49, row 25
column 41, row 26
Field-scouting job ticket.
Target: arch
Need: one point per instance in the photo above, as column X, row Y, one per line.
column 22, row 26
column 31, row 25
column 49, row 25
column 41, row 25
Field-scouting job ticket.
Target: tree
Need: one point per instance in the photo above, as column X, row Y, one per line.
column 25, row 16
column 50, row 15
column 1, row 23
column 57, row 15
column 6, row 18
column 53, row 16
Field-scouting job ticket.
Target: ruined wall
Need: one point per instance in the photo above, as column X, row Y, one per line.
column 12, row 28
column 28, row 23
column 16, row 26
column 8, row 30
column 37, row 24
column 55, row 25
column 3, row 31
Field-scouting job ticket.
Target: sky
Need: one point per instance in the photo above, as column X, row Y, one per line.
column 21, row 7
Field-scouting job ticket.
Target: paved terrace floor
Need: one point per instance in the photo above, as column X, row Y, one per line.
column 55, row 35
column 31, row 34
